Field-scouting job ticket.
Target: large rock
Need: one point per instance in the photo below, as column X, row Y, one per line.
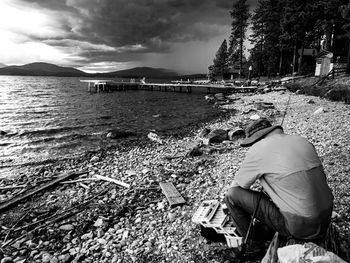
column 235, row 134
column 195, row 151
column 204, row 133
column 217, row 136
column 118, row 134
column 219, row 96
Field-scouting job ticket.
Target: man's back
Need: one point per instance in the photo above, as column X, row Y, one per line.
column 292, row 174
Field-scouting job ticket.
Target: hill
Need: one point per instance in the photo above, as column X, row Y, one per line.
column 146, row 72
column 2, row 65
column 42, row 69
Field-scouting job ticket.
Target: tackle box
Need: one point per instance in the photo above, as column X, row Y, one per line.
column 210, row 214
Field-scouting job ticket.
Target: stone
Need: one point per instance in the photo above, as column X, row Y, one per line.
column 100, row 233
column 204, row 133
column 33, row 253
column 119, row 134
column 54, row 260
column 131, row 173
column 64, row 257
column 6, row 260
column 148, row 244
column 114, row 259
column 195, row 151
column 67, row 227
column 86, row 236
column 19, row 260
column 235, row 134
column 160, row 206
column 98, row 222
column 145, row 171
column 217, row 136
column 319, row 111
column 181, row 186
column 94, row 159
column 219, row 96
column 171, row 216
column 125, row 234
column 102, row 241
column 264, row 105
column 255, row 117
column 46, row 257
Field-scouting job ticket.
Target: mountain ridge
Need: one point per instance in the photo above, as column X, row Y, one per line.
column 47, row 69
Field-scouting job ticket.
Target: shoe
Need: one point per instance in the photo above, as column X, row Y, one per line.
column 253, row 252
column 231, row 254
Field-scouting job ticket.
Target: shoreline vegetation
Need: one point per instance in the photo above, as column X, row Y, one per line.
column 86, row 219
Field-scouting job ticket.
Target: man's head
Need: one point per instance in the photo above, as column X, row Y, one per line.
column 257, row 130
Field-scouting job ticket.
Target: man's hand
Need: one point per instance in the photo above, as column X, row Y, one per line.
column 256, row 186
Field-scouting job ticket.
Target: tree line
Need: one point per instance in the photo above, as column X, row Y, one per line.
column 281, row 31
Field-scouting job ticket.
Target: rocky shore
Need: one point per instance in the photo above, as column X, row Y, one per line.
column 93, row 220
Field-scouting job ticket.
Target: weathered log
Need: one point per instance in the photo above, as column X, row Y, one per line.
column 8, row 204
column 9, row 187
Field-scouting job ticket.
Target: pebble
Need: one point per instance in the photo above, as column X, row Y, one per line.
column 89, row 235
column 148, row 244
column 94, row 159
column 6, row 260
column 102, row 241
column 100, row 233
column 67, row 227
column 33, row 253
column 171, row 216
column 46, row 257
column 155, row 230
column 98, row 222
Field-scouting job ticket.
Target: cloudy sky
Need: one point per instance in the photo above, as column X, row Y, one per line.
column 108, row 35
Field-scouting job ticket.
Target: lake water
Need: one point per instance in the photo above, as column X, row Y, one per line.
column 49, row 118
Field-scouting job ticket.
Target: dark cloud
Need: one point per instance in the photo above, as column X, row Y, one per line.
column 122, row 30
column 151, row 23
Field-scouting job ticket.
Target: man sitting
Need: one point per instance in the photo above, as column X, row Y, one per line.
column 299, row 202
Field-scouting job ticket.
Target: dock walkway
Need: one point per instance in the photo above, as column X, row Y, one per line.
column 109, row 86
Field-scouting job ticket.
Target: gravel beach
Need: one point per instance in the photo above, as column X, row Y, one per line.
column 100, row 221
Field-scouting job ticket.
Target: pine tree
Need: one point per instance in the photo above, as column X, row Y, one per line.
column 240, row 16
column 266, row 31
column 345, row 12
column 219, row 67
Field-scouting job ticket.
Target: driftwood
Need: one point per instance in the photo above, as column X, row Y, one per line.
column 171, row 193
column 55, row 217
column 108, row 179
column 84, row 186
column 8, row 204
column 79, row 180
column 9, row 187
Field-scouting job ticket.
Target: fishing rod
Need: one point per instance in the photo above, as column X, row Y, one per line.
column 241, row 254
column 285, row 111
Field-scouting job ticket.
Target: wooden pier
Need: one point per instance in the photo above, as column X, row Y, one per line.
column 109, row 86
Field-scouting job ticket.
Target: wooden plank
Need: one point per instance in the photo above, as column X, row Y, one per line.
column 8, row 204
column 171, row 193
